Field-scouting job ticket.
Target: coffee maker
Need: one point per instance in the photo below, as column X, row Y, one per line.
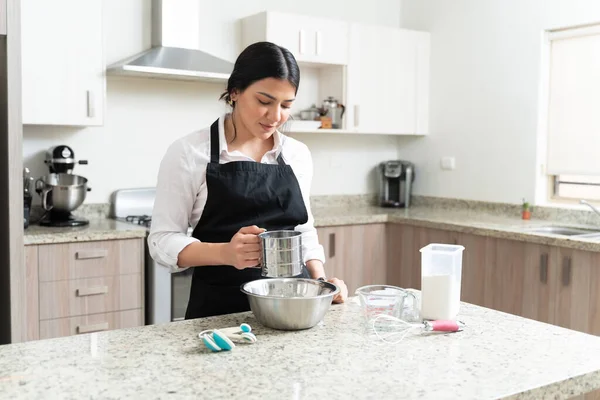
column 395, row 183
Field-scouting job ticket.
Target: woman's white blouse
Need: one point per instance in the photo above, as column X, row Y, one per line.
column 181, row 191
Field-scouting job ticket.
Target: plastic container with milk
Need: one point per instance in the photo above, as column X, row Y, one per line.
column 441, row 274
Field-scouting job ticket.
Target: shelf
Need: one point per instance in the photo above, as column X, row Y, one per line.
column 344, row 132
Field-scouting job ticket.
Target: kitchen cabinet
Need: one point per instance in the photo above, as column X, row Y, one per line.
column 355, row 253
column 574, row 289
column 384, row 76
column 84, row 287
column 404, row 243
column 556, row 285
column 63, row 65
column 550, row 284
column 310, row 39
column 387, row 80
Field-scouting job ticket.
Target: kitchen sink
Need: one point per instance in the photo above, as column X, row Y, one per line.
column 565, row 231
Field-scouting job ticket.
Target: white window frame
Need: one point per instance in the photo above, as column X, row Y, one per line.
column 546, row 185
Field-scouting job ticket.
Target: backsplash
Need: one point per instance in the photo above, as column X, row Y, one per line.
column 551, row 214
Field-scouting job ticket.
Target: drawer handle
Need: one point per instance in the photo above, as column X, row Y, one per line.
column 566, row 271
column 544, row 268
column 91, row 110
column 92, row 291
column 331, row 245
column 301, row 41
column 318, row 43
column 93, row 253
column 93, row 328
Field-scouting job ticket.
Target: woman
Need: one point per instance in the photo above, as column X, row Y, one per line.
column 233, row 181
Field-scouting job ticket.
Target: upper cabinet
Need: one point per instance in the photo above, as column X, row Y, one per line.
column 380, row 74
column 310, row 39
column 387, row 81
column 63, row 62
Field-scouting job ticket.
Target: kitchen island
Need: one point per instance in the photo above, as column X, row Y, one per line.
column 496, row 356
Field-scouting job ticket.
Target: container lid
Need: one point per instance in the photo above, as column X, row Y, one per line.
column 442, row 248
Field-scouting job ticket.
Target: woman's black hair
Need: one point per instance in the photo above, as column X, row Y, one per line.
column 259, row 61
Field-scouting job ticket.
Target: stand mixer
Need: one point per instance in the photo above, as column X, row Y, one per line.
column 60, row 190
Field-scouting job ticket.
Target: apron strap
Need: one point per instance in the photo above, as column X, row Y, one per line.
column 214, row 142
column 280, row 159
column 214, row 145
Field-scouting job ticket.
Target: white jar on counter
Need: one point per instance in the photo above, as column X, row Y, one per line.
column 441, row 275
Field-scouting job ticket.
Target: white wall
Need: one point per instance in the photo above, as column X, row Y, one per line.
column 485, row 72
column 144, row 116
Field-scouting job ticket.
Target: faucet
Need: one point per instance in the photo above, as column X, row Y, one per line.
column 590, row 206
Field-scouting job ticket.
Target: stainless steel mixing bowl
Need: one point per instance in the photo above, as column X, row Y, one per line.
column 62, row 192
column 289, row 303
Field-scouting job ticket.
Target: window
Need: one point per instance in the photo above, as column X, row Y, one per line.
column 577, row 187
column 573, row 153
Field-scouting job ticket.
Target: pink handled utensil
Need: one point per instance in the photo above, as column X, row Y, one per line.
column 393, row 326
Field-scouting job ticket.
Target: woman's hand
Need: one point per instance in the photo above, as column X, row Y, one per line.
column 343, row 294
column 243, row 250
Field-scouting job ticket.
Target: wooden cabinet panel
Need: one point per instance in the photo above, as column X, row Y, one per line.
column 328, row 236
column 53, row 328
column 404, row 243
column 59, row 299
column 594, row 309
column 549, row 284
column 538, row 283
column 506, row 279
column 404, row 261
column 355, row 254
column 90, row 259
column 479, row 259
column 573, row 287
column 84, row 281
column 31, row 310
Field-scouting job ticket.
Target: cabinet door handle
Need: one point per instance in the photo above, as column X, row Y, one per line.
column 544, row 268
column 331, row 245
column 91, row 291
column 318, row 46
column 91, row 110
column 92, row 253
column 3, row 13
column 93, row 328
column 301, row 41
column 356, row 115
column 566, row 271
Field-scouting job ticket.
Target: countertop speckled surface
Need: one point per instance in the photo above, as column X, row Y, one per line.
column 97, row 229
column 488, row 222
column 459, row 220
column 497, row 356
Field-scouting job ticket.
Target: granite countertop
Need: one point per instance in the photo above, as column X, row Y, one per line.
column 479, row 222
column 97, row 229
column 496, row 356
column 494, row 222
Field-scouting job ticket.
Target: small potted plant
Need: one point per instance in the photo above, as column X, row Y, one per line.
column 527, row 209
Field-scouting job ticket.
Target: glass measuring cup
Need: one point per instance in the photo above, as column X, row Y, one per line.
column 388, row 300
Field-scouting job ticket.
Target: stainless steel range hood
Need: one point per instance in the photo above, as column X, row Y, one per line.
column 175, row 52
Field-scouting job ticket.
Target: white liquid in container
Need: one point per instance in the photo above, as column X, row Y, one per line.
column 440, row 297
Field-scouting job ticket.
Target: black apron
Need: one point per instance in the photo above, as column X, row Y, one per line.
column 240, row 193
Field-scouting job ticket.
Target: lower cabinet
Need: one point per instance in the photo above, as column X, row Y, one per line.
column 356, row 254
column 90, row 323
column 84, row 287
column 551, row 284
